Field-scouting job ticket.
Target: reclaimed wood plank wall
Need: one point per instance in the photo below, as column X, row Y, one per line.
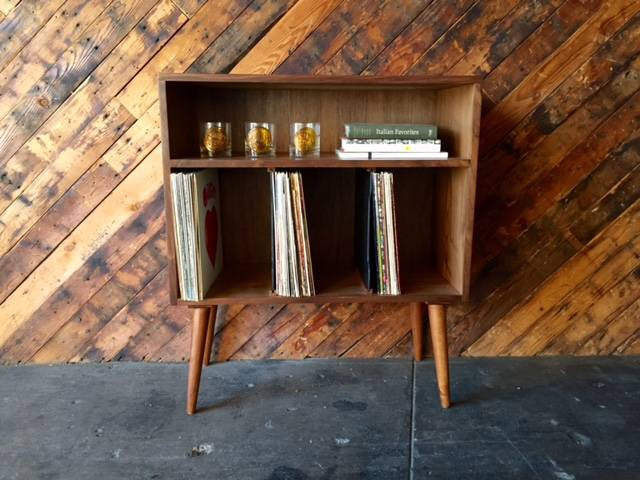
column 556, row 262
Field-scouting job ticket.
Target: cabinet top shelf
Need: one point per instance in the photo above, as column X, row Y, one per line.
column 395, row 81
column 324, row 161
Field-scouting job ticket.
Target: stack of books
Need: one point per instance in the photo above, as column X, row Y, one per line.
column 377, row 247
column 195, row 198
column 370, row 141
column 292, row 272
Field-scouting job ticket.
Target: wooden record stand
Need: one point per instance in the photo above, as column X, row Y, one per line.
column 434, row 199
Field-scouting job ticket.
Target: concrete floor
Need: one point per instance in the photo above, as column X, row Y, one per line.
column 556, row 418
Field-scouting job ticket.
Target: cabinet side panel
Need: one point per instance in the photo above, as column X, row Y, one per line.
column 166, row 174
column 471, row 181
column 459, row 123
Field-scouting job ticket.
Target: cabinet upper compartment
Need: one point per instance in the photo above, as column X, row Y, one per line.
column 451, row 103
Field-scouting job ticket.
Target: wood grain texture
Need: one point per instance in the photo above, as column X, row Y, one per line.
column 22, row 22
column 62, row 30
column 70, row 70
column 6, row 6
column 82, row 240
column 285, row 36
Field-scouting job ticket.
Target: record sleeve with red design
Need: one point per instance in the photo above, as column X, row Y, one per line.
column 207, row 195
column 209, row 198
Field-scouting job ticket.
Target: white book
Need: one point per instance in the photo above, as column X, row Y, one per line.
column 342, row 155
column 409, row 156
column 389, row 145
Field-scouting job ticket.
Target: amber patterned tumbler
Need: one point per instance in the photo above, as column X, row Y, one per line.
column 215, row 139
column 304, row 139
column 259, row 139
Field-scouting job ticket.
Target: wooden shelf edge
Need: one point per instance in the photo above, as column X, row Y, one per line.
column 246, row 286
column 444, row 298
column 375, row 80
column 324, row 161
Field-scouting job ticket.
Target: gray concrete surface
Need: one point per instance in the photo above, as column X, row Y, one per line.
column 554, row 418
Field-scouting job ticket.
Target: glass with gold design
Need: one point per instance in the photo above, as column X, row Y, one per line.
column 215, row 139
column 259, row 139
column 304, row 139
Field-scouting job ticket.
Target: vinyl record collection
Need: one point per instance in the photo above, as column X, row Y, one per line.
column 195, row 198
column 377, row 247
column 292, row 272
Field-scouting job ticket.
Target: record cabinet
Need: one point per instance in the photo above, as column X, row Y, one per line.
column 434, row 199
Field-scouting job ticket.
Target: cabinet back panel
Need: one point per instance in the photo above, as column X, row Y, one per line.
column 413, row 191
column 330, row 204
column 332, row 108
column 246, row 223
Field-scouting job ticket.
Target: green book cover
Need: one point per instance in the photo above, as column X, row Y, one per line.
column 391, row 130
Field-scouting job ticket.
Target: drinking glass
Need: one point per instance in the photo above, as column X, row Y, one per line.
column 259, row 139
column 304, row 139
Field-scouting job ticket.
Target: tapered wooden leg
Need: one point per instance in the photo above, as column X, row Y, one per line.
column 208, row 343
column 416, row 311
column 198, row 335
column 438, row 325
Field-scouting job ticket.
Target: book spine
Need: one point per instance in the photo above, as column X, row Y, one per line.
column 388, row 145
column 408, row 155
column 389, row 130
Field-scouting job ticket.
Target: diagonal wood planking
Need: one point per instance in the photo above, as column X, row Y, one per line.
column 22, row 21
column 82, row 243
